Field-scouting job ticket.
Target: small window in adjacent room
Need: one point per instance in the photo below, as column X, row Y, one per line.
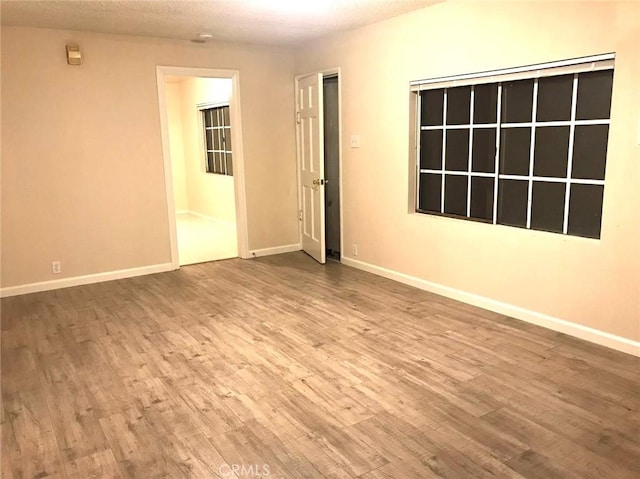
column 217, row 139
column 524, row 147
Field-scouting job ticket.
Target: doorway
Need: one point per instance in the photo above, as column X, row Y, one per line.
column 204, row 174
column 318, row 134
column 201, row 164
column 332, row 166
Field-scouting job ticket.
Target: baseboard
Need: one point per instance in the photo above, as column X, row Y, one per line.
column 208, row 218
column 255, row 253
column 567, row 327
column 80, row 280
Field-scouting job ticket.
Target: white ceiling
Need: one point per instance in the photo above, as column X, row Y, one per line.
column 284, row 22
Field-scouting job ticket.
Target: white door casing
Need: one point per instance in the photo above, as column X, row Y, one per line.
column 309, row 133
column 238, row 156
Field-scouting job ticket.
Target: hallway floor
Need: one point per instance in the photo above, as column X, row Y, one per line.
column 201, row 239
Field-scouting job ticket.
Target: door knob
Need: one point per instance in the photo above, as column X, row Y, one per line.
column 319, row 182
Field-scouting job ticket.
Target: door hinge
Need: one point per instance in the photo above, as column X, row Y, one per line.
column 298, row 117
column 299, row 215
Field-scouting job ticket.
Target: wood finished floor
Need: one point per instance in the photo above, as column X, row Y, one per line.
column 302, row 371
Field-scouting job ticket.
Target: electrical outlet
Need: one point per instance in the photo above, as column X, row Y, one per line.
column 56, row 267
column 355, row 141
column 355, row 250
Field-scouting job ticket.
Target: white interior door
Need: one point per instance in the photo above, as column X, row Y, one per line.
column 311, row 164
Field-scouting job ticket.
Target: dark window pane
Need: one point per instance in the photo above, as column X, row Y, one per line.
column 517, row 101
column 585, row 210
column 482, row 198
column 594, row 95
column 227, row 139
column 455, row 195
column 210, row 165
column 216, row 140
column 430, row 190
column 457, row 154
column 551, row 151
column 218, row 157
column 432, row 105
column 485, row 103
column 431, row 149
column 214, row 117
column 207, row 117
column 229, row 165
column 512, row 202
column 225, row 115
column 547, row 206
column 458, row 105
column 554, row 98
column 223, row 139
column 484, row 150
column 515, row 145
column 590, row 152
column 209, row 139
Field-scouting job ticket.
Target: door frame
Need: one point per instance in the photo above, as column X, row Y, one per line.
column 238, row 158
column 329, row 72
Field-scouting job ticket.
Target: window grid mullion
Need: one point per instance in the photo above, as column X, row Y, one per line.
column 556, row 123
column 223, row 131
column 549, row 179
column 223, row 156
column 466, row 173
column 473, row 88
column 600, row 121
column 214, row 131
column 497, row 156
column 572, row 132
column 220, row 126
column 458, row 127
column 418, row 146
column 532, row 149
column 444, row 149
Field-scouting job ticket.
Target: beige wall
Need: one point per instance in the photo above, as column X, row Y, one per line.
column 592, row 283
column 82, row 166
column 173, row 92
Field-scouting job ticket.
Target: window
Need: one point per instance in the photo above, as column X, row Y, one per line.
column 525, row 147
column 217, row 134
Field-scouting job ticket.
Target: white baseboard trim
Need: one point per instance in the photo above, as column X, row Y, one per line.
column 86, row 279
column 573, row 329
column 201, row 215
column 255, row 253
column 208, row 218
